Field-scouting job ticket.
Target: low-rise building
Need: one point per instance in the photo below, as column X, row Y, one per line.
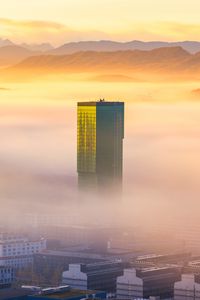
column 50, row 260
column 188, row 288
column 162, row 259
column 17, row 252
column 147, row 282
column 6, row 276
column 97, row 276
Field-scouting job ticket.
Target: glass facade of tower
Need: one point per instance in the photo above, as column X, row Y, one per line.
column 100, row 144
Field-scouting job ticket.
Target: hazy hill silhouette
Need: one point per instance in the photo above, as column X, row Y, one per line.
column 13, row 54
column 5, row 42
column 119, row 65
column 43, row 47
column 69, row 48
column 92, row 61
column 16, row 53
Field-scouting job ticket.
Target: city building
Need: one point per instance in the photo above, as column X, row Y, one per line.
column 147, row 282
column 54, row 259
column 100, row 145
column 6, row 276
column 95, row 237
column 17, row 251
column 188, row 288
column 51, row 260
column 97, row 276
column 179, row 259
column 193, row 266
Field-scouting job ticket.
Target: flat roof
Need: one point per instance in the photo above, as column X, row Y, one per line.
column 152, row 269
column 72, row 253
column 194, row 263
column 100, row 102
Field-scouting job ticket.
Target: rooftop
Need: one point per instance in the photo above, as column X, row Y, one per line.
column 100, row 102
column 72, row 254
column 152, row 269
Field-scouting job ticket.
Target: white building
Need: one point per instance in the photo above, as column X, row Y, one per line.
column 129, row 286
column 187, row 288
column 6, row 276
column 17, row 252
column 147, row 282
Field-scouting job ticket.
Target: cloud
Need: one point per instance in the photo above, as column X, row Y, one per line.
column 42, row 31
column 3, row 89
column 166, row 31
column 31, row 25
column 34, row 31
column 175, row 30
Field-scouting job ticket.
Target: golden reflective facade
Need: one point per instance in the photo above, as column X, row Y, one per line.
column 86, row 139
column 100, row 145
column 86, row 146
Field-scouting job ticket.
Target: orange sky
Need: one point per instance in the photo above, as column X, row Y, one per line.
column 59, row 21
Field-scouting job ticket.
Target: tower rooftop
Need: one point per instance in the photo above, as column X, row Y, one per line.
column 100, row 102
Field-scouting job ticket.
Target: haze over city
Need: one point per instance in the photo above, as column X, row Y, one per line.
column 100, row 125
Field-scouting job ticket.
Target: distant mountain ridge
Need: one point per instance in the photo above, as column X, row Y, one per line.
column 172, row 63
column 5, row 42
column 12, row 54
column 103, row 45
column 43, row 47
column 110, row 46
column 174, row 58
column 16, row 53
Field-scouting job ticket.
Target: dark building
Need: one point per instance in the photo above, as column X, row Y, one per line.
column 97, row 276
column 6, row 276
column 49, row 262
column 94, row 237
column 62, row 259
column 100, row 145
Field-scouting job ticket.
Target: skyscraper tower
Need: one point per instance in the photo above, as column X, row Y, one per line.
column 100, row 145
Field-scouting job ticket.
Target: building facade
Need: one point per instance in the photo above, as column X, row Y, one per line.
column 100, row 145
column 98, row 276
column 188, row 288
column 17, row 252
column 147, row 282
column 6, row 276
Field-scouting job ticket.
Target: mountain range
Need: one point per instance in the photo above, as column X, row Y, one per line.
column 115, row 66
column 69, row 48
column 104, row 59
column 11, row 53
column 103, row 45
column 173, row 57
column 5, row 42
